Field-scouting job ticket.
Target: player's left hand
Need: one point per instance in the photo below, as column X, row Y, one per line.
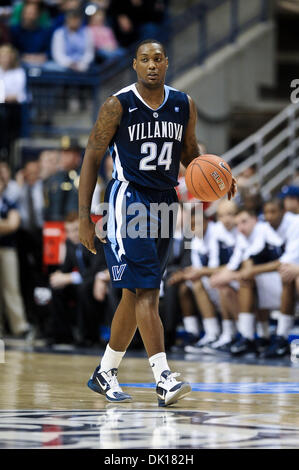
column 233, row 189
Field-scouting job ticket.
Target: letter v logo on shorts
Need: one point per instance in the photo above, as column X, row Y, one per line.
column 117, row 272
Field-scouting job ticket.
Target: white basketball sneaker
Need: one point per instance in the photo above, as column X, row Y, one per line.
column 106, row 383
column 169, row 390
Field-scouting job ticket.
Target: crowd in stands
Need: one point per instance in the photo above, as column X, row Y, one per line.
column 232, row 290
column 73, row 36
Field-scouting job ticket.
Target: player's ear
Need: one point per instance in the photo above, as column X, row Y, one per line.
column 134, row 64
column 166, row 59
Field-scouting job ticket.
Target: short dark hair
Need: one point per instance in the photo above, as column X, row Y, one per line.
column 275, row 200
column 150, row 41
column 251, row 212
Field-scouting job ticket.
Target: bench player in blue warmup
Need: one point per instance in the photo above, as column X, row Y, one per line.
column 149, row 128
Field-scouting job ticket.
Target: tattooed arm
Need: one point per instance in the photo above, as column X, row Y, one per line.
column 105, row 127
column 191, row 148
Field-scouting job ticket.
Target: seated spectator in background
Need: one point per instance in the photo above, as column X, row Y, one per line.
column 221, row 247
column 13, row 93
column 44, row 19
column 32, row 201
column 170, row 310
column 12, row 75
column 253, row 202
column 62, row 8
column 104, row 40
column 61, row 189
column 79, row 290
column 9, row 268
column 206, row 299
column 4, row 33
column 49, row 163
column 72, row 46
column 135, row 20
column 31, row 39
column 248, row 186
column 286, row 225
column 256, row 243
column 29, row 236
column 290, row 196
column 12, row 189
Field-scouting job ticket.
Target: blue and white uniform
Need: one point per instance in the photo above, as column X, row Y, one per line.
column 262, row 246
column 146, row 151
column 288, row 231
column 222, row 245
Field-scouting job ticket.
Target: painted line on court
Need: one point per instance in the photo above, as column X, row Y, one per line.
column 243, row 387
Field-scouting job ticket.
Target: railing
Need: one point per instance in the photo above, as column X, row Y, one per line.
column 190, row 39
column 273, row 150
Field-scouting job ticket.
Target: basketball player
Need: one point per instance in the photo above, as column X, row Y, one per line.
column 150, row 128
column 199, row 289
column 220, row 248
column 256, row 243
column 286, row 225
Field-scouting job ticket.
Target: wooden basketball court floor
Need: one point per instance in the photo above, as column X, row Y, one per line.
column 45, row 403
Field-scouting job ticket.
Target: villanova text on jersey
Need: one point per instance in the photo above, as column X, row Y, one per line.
column 146, row 148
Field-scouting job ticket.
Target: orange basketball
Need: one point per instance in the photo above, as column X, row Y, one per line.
column 208, row 177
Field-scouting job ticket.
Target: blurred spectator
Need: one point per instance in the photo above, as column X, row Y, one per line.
column 31, row 39
column 61, row 189
column 290, row 196
column 79, row 290
column 49, row 161
column 12, row 75
column 248, row 186
column 9, row 267
column 12, row 94
column 12, row 189
column 137, row 19
column 62, row 7
column 4, row 33
column 32, row 201
column 30, row 235
column 253, row 202
column 104, row 40
column 44, row 19
column 72, row 46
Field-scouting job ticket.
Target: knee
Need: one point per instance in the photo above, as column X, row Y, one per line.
column 149, row 297
column 198, row 286
column 183, row 289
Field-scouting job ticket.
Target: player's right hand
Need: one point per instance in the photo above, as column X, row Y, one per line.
column 87, row 234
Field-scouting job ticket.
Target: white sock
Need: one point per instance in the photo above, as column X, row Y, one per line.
column 228, row 329
column 284, row 325
column 158, row 363
column 211, row 327
column 111, row 359
column 191, row 325
column 262, row 329
column 246, row 325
